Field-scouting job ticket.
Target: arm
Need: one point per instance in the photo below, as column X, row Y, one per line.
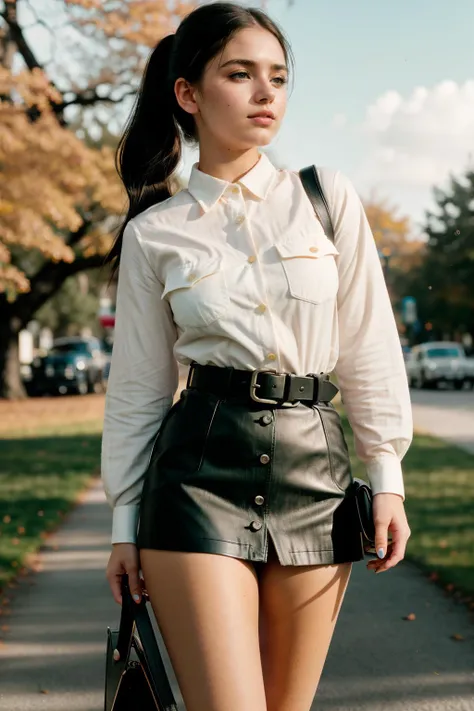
column 370, row 369
column 142, row 382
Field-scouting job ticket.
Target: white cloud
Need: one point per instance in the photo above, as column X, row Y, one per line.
column 414, row 142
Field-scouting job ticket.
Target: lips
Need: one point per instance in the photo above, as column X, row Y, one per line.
column 264, row 114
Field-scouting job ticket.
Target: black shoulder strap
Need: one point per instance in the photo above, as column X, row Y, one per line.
column 311, row 183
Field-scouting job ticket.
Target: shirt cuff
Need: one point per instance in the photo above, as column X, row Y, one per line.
column 124, row 523
column 385, row 476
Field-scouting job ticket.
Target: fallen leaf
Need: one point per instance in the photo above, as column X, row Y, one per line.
column 21, row 529
column 443, row 543
column 457, row 637
column 410, row 617
column 44, row 691
column 15, row 541
column 7, row 519
column 434, row 576
column 449, row 587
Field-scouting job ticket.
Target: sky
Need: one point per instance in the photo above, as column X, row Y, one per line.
column 383, row 91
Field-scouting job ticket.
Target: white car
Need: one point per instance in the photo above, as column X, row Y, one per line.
column 429, row 364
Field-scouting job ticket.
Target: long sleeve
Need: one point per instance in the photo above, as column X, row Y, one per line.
column 142, row 383
column 370, row 367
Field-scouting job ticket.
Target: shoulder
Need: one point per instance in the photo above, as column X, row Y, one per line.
column 337, row 186
column 163, row 217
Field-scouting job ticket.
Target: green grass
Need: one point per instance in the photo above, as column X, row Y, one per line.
column 439, row 503
column 41, row 476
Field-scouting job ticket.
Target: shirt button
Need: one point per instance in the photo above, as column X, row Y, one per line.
column 261, row 308
column 256, row 525
column 239, row 219
column 191, row 277
column 271, row 356
column 314, row 249
column 266, row 419
column 251, row 259
column 264, row 458
column 259, row 500
column 236, row 189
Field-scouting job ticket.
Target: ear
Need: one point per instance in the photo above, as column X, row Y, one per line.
column 186, row 96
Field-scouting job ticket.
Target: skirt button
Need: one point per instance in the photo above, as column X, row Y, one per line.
column 256, row 525
column 259, row 500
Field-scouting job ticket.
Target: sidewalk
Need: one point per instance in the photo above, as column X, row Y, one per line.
column 377, row 660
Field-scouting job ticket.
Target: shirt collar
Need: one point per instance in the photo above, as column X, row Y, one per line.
column 208, row 190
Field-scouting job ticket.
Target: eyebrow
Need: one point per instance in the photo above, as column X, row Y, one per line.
column 252, row 65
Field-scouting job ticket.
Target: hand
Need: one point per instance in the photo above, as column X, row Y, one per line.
column 124, row 559
column 389, row 515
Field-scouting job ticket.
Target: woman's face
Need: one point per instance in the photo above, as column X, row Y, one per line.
column 249, row 77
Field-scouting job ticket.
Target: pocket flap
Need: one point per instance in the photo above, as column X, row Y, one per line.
column 306, row 245
column 186, row 275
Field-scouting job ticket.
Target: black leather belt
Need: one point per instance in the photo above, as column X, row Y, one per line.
column 263, row 385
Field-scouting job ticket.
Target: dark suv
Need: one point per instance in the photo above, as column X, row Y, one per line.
column 73, row 365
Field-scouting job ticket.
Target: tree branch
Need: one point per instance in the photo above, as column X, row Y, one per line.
column 47, row 282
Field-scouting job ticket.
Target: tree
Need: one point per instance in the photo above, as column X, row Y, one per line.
column 58, row 191
column 444, row 283
column 399, row 251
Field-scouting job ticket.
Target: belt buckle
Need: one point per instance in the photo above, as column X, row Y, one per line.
column 254, row 385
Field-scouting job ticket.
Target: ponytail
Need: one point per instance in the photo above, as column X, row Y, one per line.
column 149, row 149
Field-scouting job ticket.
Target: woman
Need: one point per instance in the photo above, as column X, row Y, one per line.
column 237, row 512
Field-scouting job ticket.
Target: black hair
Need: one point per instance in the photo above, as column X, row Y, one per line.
column 149, row 149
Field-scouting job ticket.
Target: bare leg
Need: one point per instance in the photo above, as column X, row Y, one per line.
column 299, row 607
column 206, row 606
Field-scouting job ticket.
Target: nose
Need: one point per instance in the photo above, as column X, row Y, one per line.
column 265, row 93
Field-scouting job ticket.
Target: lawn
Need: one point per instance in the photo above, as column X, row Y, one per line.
column 50, row 449
column 49, row 452
column 439, row 503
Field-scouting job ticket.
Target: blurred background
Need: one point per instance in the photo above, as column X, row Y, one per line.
column 384, row 92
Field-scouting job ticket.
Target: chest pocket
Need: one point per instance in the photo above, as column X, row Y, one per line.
column 310, row 267
column 197, row 293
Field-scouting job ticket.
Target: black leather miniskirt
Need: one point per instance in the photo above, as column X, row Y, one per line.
column 229, row 476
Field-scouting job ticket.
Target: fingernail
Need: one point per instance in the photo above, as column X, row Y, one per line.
column 380, row 553
column 136, row 597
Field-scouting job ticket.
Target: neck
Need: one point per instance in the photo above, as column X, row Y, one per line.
column 226, row 164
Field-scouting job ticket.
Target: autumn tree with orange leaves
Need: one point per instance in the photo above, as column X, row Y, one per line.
column 59, row 192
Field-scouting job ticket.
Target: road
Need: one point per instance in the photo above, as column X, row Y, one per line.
column 445, row 413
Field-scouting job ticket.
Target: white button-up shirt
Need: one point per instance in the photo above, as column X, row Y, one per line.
column 242, row 274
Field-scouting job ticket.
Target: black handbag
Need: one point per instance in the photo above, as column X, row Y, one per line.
column 360, row 492
column 138, row 679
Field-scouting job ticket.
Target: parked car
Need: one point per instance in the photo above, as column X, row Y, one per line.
column 429, row 364
column 73, row 365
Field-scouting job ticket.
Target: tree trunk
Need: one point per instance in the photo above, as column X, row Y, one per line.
column 11, row 385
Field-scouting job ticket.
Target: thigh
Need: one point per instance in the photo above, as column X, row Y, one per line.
column 299, row 608
column 206, row 606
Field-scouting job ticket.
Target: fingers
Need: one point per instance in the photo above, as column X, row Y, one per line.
column 124, row 559
column 395, row 552
column 115, row 586
column 134, row 582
